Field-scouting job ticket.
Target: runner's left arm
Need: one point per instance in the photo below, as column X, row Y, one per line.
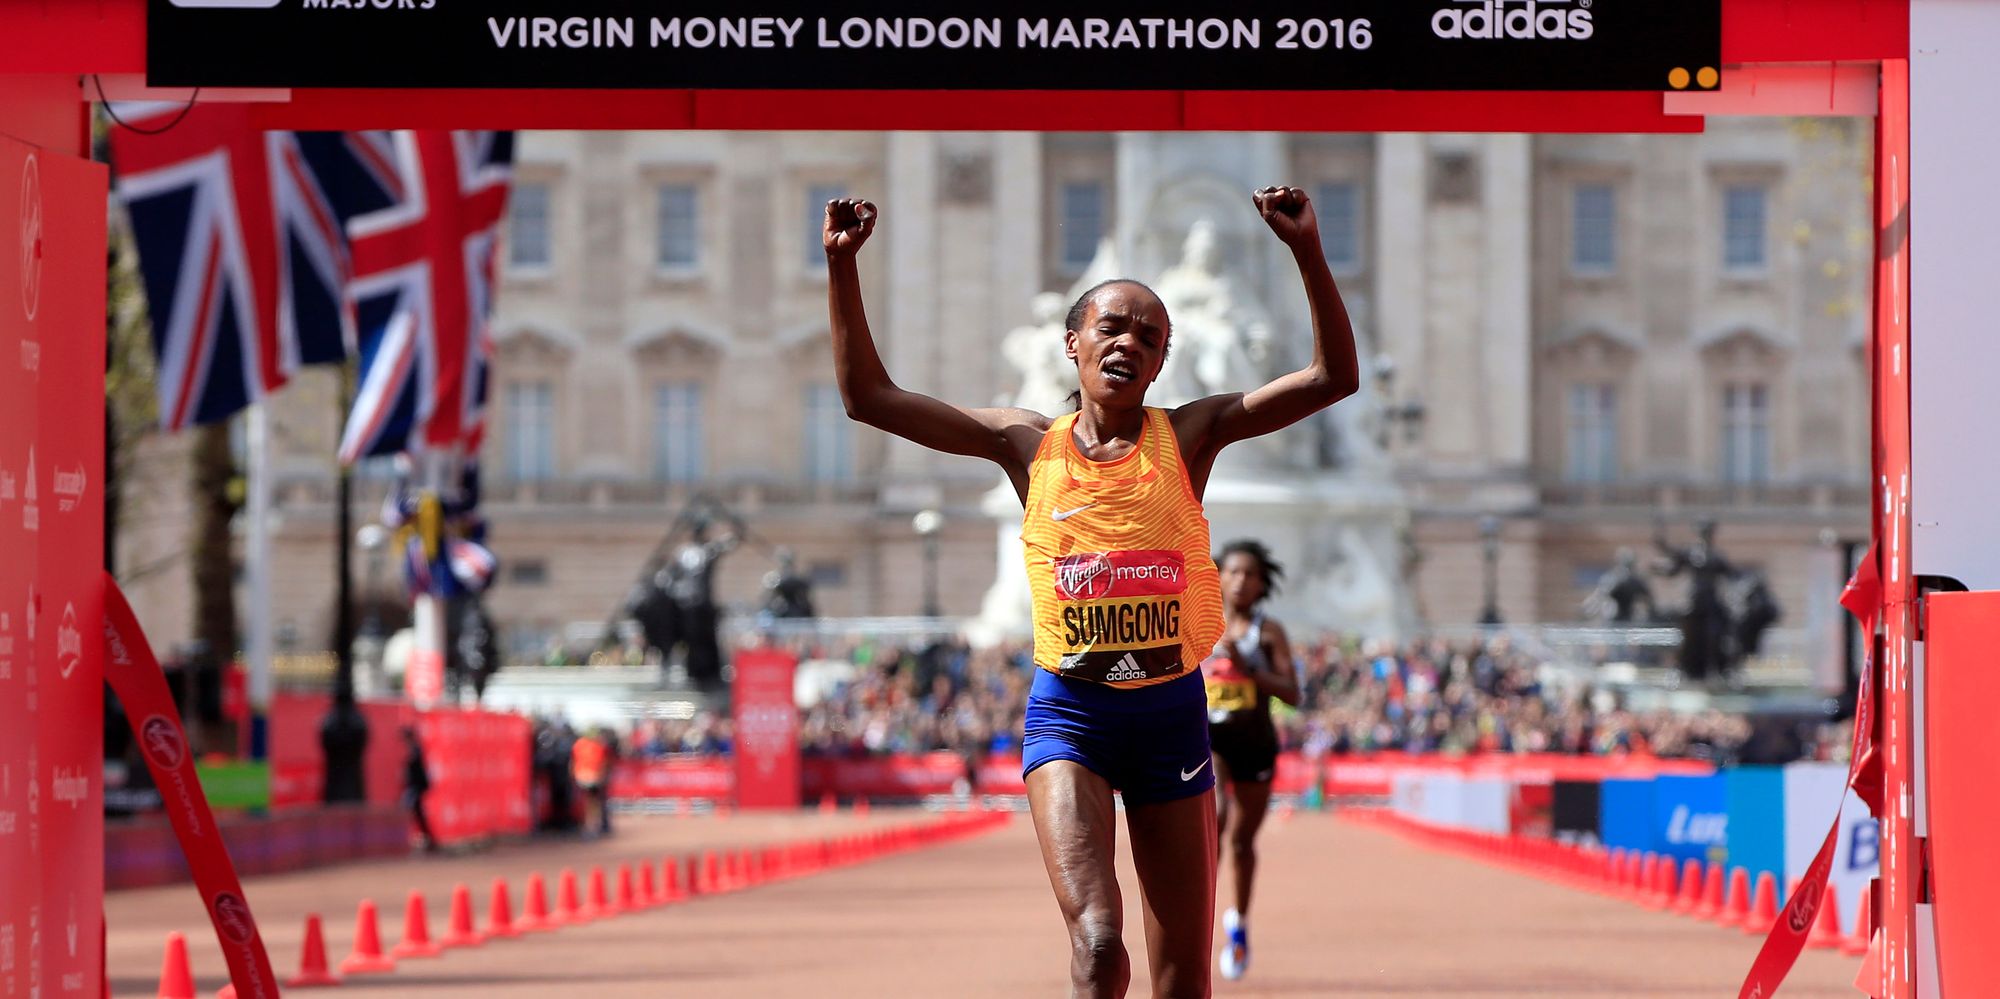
column 1282, row 679
column 1331, row 374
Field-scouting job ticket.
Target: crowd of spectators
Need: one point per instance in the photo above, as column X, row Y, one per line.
column 1429, row 696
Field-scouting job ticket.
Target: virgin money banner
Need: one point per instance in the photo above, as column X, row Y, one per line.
column 479, row 765
column 907, row 45
column 135, row 675
column 51, row 553
column 708, row 778
column 767, row 730
column 888, row 776
column 298, row 764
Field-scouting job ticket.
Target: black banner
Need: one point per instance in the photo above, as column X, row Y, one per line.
column 1576, row 811
column 912, row 45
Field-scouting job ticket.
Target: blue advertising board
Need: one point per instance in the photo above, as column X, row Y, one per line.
column 1626, row 814
column 1755, row 800
column 1691, row 818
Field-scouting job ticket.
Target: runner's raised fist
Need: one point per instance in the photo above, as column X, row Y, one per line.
column 848, row 223
column 1289, row 213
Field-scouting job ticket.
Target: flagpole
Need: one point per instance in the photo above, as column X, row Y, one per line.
column 257, row 575
column 343, row 733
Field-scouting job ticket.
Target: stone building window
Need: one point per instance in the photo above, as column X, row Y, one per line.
column 817, row 195
column 1338, row 205
column 528, row 242
column 1744, row 226
column 1592, row 433
column 829, row 444
column 1593, row 220
column 677, row 437
column 678, row 243
column 1746, row 433
column 1082, row 223
column 530, row 430
column 677, row 432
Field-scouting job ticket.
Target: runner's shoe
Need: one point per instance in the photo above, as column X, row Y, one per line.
column 1235, row 957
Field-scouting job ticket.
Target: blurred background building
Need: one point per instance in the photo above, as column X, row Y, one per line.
column 1567, row 341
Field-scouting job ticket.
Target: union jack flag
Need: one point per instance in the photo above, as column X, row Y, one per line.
column 241, row 251
column 423, row 251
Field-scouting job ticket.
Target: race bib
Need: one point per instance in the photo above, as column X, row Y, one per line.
column 1230, row 689
column 1120, row 614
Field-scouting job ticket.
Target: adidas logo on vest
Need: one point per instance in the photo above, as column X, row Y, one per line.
column 1126, row 668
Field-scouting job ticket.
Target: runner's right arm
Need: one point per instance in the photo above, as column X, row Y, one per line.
column 1007, row 437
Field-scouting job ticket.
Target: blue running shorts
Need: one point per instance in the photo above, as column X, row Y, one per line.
column 1149, row 743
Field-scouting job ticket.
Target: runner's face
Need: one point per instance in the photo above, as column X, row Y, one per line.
column 1242, row 581
column 1120, row 344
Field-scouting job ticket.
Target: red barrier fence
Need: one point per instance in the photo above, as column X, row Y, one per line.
column 479, row 763
column 919, row 775
column 298, row 769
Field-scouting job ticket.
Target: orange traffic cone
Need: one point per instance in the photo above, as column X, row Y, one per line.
column 1763, row 907
column 648, row 895
column 1647, row 891
column 628, row 900
column 416, row 931
column 1864, row 930
column 599, row 904
column 313, row 972
column 1665, row 890
column 827, row 806
column 500, row 912
column 568, row 910
column 463, row 933
column 176, row 981
column 1691, row 880
column 1711, row 895
column 1826, row 925
column 367, row 957
column 711, row 873
column 1736, row 902
column 535, row 908
column 670, row 880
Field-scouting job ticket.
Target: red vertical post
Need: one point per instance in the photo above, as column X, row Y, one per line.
column 1901, row 864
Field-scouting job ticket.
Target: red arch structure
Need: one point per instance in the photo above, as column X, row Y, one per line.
column 1785, row 57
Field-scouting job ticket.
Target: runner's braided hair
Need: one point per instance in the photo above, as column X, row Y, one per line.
column 1267, row 567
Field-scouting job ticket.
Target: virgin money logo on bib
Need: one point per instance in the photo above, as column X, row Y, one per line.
column 1111, row 575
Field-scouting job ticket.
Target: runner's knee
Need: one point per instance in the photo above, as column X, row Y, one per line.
column 1098, row 945
column 1242, row 840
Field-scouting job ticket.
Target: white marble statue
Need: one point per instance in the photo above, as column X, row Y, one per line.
column 1222, row 332
column 1048, row 376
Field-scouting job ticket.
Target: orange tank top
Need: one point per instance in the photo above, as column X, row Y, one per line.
column 1125, row 589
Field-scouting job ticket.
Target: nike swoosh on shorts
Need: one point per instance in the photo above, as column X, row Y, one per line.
column 1188, row 775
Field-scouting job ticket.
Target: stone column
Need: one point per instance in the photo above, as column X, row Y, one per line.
column 906, row 319
column 1398, row 263
column 1505, row 334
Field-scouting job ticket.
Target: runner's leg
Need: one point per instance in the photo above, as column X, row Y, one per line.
column 1077, row 824
column 1173, row 848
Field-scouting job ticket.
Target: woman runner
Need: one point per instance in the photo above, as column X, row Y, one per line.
column 1126, row 594
column 1251, row 665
